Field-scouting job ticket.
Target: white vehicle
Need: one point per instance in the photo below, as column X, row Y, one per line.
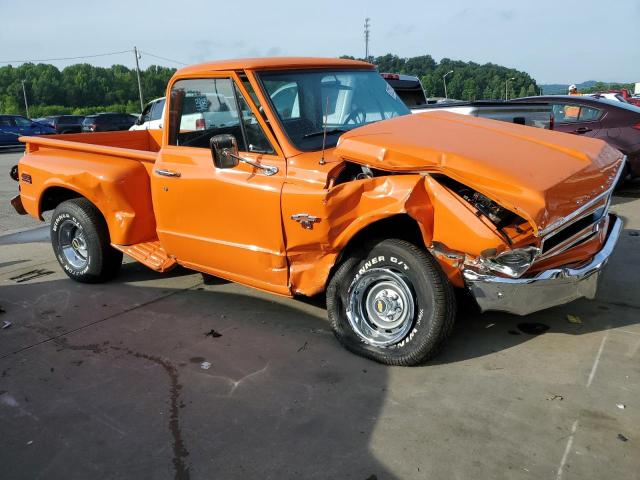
column 205, row 111
column 152, row 117
column 532, row 114
column 609, row 96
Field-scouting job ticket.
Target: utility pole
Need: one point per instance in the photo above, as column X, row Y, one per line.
column 444, row 80
column 366, row 39
column 24, row 92
column 135, row 52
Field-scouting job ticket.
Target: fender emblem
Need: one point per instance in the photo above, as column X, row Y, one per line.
column 305, row 220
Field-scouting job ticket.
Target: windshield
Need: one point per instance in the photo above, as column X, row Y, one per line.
column 346, row 99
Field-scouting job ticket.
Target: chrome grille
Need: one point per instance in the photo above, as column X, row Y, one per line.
column 575, row 232
column 581, row 225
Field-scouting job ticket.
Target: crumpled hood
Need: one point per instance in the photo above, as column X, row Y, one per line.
column 542, row 175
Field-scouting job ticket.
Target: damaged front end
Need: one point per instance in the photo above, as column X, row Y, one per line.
column 563, row 264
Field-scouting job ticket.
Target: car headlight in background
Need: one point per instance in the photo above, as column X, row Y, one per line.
column 513, row 263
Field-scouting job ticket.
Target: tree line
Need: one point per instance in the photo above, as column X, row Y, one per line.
column 85, row 89
column 603, row 87
column 468, row 81
column 80, row 89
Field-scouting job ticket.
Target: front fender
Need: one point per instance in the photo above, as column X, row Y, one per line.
column 342, row 211
column 345, row 210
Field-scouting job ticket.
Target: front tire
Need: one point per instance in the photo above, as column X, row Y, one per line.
column 81, row 243
column 392, row 303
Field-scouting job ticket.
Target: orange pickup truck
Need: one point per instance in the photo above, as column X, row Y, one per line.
column 303, row 175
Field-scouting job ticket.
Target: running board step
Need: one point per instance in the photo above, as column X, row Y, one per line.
column 151, row 254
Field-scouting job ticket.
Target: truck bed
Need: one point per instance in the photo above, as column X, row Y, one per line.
column 111, row 169
column 138, row 145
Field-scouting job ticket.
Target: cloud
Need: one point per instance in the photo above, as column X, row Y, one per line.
column 400, row 30
column 507, row 15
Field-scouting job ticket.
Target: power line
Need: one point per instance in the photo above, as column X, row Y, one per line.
column 65, row 58
column 162, row 58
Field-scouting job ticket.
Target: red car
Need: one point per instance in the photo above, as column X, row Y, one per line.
column 617, row 123
column 627, row 96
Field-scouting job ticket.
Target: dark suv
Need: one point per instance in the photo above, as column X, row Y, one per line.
column 66, row 123
column 107, row 122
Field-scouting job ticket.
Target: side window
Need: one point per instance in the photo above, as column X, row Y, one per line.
column 6, row 122
column 145, row 116
column 588, row 114
column 22, row 122
column 202, row 108
column 256, row 140
column 565, row 113
column 156, row 110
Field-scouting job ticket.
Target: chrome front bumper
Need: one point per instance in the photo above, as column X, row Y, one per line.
column 548, row 288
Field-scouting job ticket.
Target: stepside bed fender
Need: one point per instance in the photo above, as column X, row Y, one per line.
column 118, row 187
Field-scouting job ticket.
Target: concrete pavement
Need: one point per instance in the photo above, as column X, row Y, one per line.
column 111, row 381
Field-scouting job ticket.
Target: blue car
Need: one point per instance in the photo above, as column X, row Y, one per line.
column 14, row 126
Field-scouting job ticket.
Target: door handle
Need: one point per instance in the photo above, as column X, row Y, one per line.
column 582, row 130
column 168, row 173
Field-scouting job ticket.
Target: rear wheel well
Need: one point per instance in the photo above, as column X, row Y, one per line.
column 54, row 196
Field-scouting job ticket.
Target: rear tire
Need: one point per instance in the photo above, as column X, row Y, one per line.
column 81, row 243
column 391, row 302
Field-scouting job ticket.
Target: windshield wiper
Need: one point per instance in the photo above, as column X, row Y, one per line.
column 321, row 132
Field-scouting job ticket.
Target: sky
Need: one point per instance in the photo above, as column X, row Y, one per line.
column 561, row 41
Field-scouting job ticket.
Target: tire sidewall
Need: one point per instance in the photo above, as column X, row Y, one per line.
column 91, row 269
column 424, row 334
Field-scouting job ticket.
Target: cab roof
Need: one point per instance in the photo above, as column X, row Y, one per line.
column 273, row 63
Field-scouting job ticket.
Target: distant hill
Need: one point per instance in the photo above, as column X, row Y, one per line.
column 563, row 89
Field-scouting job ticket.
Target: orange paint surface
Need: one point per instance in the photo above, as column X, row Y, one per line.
column 237, row 223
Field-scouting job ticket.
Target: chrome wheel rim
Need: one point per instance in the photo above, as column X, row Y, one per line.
column 73, row 244
column 381, row 306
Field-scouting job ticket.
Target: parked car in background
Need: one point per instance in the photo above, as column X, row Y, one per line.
column 621, row 95
column 66, row 123
column 627, row 95
column 615, row 122
column 408, row 88
column 616, row 97
column 532, row 114
column 43, row 120
column 14, row 126
column 108, row 122
column 151, row 117
column 410, row 91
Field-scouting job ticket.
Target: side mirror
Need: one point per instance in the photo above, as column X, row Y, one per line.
column 224, row 150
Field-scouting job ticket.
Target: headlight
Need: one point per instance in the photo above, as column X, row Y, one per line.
column 512, row 262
